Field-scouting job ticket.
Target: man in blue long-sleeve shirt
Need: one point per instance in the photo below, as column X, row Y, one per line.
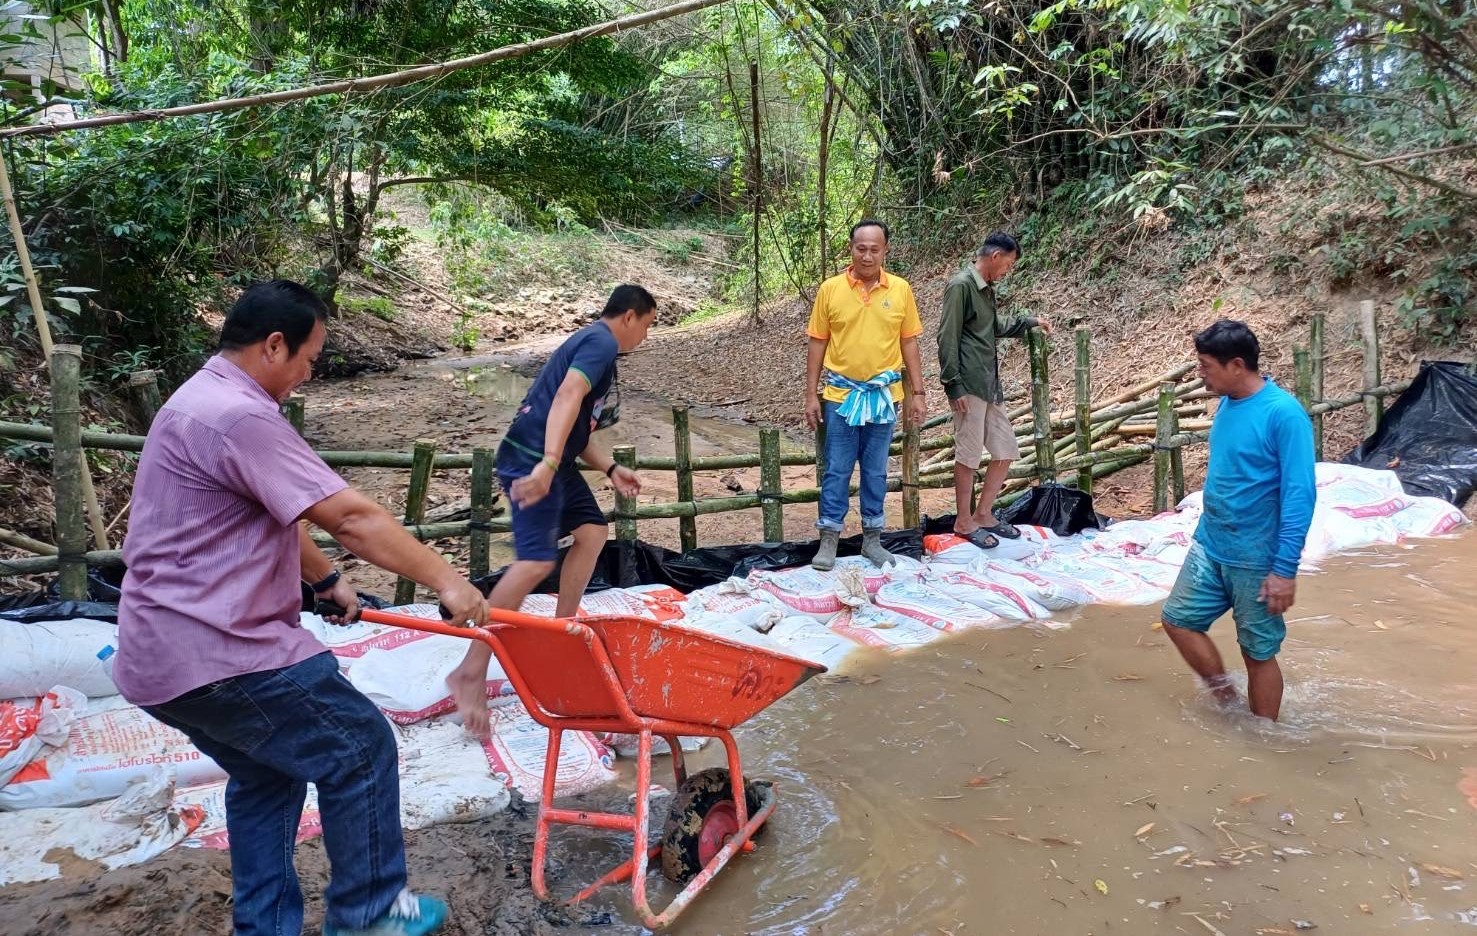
column 1259, row 493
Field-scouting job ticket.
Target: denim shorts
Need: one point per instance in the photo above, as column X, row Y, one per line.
column 569, row 505
column 1207, row 589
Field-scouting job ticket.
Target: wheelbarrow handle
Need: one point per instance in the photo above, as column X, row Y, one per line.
column 497, row 619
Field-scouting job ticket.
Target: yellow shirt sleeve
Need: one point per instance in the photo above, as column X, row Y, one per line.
column 820, row 321
column 912, row 324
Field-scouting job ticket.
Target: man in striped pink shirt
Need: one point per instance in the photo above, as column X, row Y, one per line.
column 209, row 640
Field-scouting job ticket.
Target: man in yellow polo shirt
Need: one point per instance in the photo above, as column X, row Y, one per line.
column 864, row 329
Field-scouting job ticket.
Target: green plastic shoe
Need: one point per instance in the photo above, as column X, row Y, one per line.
column 410, row 915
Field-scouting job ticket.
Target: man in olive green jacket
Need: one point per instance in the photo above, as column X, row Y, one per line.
column 970, row 372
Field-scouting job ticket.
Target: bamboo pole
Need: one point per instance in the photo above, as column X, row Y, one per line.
column 18, row 233
column 293, row 408
column 912, row 517
column 67, row 466
column 143, row 386
column 394, row 79
column 770, row 485
column 1374, row 407
column 422, row 457
column 1163, row 432
column 682, row 440
column 1315, row 338
column 625, row 506
column 1083, row 381
column 756, row 178
column 22, row 541
column 1176, row 463
column 93, row 512
column 1302, row 367
column 1041, row 406
column 478, row 558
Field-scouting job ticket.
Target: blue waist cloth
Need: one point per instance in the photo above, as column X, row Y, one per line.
column 868, row 401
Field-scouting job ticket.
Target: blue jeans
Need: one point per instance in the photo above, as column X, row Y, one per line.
column 845, row 447
column 273, row 733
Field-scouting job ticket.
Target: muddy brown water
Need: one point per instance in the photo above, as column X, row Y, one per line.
column 1077, row 782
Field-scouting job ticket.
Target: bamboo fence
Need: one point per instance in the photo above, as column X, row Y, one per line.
column 1151, row 421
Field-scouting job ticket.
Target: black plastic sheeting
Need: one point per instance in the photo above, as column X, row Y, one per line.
column 624, row 564
column 1429, row 435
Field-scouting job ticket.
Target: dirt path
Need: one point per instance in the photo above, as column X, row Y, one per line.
column 481, row 869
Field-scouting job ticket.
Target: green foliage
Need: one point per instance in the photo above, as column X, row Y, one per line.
column 378, row 306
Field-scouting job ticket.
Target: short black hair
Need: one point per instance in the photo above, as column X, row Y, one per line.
column 274, row 306
column 870, row 222
column 628, row 297
column 1229, row 339
column 999, row 242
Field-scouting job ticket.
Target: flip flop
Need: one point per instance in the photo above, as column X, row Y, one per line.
column 1003, row 529
column 981, row 538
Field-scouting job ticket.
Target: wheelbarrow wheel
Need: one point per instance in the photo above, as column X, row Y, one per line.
column 700, row 820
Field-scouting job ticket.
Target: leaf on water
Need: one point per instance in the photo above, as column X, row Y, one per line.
column 1451, row 874
column 960, row 834
column 1127, row 677
column 1381, row 625
column 978, row 782
column 1053, row 840
column 1144, row 830
column 1364, row 908
column 1019, row 837
column 1248, row 800
column 1102, row 887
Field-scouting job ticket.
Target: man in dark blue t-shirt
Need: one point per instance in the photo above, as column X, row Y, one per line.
column 547, row 494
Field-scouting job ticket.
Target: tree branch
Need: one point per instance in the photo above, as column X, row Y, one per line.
column 1447, row 187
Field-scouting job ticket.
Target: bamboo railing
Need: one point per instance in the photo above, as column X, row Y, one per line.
column 1084, row 442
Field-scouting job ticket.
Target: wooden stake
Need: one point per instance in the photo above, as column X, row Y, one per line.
column 1315, row 338
column 770, row 486
column 67, row 466
column 1164, row 429
column 912, row 518
column 625, row 507
column 1084, row 406
column 422, row 457
column 293, row 409
column 478, row 558
column 682, row 439
column 1374, row 407
column 1176, row 463
column 143, row 385
column 1041, row 407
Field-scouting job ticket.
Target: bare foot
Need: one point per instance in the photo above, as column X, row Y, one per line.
column 1223, row 691
column 469, row 690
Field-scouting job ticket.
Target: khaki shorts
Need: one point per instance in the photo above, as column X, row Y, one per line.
column 984, row 427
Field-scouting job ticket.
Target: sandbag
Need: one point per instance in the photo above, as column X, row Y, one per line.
column 933, row 606
column 408, row 682
column 516, row 751
column 998, row 598
column 77, row 653
column 736, row 599
column 144, row 821
column 102, row 755
column 29, row 727
column 886, row 630
column 804, row 637
column 1050, row 591
column 808, row 591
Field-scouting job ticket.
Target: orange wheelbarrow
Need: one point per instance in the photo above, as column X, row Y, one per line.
column 652, row 679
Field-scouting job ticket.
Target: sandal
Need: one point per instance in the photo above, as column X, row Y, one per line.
column 1003, row 529
column 980, row 537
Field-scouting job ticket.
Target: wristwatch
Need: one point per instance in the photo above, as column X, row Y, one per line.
column 328, row 582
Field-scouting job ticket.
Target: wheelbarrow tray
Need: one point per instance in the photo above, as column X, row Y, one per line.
column 666, row 671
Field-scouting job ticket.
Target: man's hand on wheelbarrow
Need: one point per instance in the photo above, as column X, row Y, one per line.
column 463, row 605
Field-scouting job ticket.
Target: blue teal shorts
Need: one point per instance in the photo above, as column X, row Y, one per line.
column 1207, row 589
